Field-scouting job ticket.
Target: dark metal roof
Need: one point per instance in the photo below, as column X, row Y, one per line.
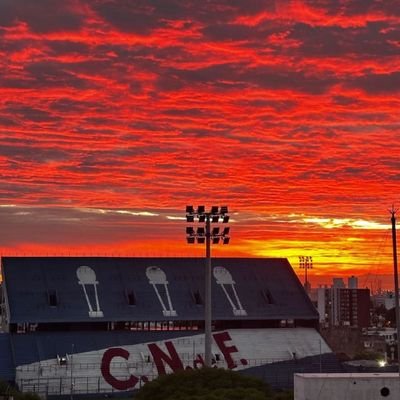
column 91, row 289
column 7, row 368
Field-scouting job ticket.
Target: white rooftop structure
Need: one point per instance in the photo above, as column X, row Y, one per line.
column 343, row 386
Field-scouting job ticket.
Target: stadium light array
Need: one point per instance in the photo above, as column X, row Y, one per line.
column 205, row 235
column 200, row 216
column 306, row 263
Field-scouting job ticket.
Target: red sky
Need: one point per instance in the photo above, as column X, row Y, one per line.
column 116, row 114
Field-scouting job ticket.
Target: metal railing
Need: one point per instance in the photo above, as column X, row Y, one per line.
column 86, row 378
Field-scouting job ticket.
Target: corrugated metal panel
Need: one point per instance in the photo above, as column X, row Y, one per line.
column 89, row 289
column 39, row 346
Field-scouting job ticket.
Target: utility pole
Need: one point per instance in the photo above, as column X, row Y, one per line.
column 396, row 282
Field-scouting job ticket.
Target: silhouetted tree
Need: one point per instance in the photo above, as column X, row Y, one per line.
column 8, row 390
column 208, row 384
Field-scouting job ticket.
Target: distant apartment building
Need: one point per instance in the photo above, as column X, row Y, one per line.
column 385, row 299
column 352, row 282
column 344, row 306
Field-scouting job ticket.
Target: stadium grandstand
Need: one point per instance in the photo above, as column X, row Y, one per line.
column 85, row 325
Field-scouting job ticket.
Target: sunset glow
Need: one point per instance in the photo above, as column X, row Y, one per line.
column 114, row 115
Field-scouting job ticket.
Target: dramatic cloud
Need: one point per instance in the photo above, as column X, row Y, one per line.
column 115, row 114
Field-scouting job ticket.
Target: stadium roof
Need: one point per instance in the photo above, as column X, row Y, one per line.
column 92, row 289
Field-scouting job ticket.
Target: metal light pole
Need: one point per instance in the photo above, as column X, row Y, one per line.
column 208, row 298
column 204, row 234
column 71, row 365
column 396, row 282
column 305, row 263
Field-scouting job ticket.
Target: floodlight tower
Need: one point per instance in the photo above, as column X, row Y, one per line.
column 306, row 263
column 204, row 234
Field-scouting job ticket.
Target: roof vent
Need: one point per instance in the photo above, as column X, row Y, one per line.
column 130, row 297
column 267, row 296
column 52, row 298
column 198, row 300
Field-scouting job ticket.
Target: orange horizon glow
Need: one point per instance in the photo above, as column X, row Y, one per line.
column 339, row 247
column 115, row 115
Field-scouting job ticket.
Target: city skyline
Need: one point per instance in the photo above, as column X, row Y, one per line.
column 115, row 115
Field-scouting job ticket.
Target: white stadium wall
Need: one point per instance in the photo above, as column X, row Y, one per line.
column 128, row 367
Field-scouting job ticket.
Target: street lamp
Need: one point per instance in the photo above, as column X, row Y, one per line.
column 204, row 234
column 306, row 263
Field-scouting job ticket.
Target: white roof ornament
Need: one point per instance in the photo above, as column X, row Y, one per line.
column 223, row 276
column 225, row 280
column 86, row 275
column 156, row 276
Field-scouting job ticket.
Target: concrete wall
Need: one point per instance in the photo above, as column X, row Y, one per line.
column 344, row 340
column 347, row 386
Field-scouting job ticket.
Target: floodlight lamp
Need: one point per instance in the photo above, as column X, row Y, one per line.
column 226, row 240
column 190, row 239
column 214, row 210
column 201, row 231
column 201, row 210
column 225, row 219
column 215, row 231
column 201, row 240
column 215, row 240
column 189, row 230
column 189, row 210
column 224, row 210
column 202, row 218
column 226, row 231
column 189, row 218
column 215, row 218
column 382, row 363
